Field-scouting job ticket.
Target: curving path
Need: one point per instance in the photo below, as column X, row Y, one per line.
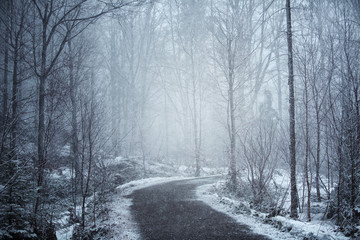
column 170, row 211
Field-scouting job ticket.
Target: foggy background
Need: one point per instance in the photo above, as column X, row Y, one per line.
column 94, row 94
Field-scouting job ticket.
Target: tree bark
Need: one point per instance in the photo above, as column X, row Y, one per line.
column 6, row 70
column 74, row 125
column 294, row 194
column 233, row 182
column 317, row 163
column 14, row 101
column 307, row 147
column 5, row 96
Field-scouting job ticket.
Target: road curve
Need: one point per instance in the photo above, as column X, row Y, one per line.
column 170, row 211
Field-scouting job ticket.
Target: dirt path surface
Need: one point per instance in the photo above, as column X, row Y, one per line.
column 170, row 211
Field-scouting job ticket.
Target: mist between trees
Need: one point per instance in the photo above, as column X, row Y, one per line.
column 183, row 82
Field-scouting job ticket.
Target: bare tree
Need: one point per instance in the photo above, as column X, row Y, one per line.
column 228, row 39
column 190, row 34
column 260, row 148
column 55, row 23
column 233, row 60
column 90, row 133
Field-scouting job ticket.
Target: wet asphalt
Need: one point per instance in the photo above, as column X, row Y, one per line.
column 170, row 211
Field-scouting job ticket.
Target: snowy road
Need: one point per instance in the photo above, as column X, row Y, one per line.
column 171, row 211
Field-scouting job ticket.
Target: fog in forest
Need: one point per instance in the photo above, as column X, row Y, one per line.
column 95, row 94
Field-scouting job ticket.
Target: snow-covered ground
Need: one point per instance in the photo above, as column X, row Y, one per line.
column 122, row 225
column 120, row 221
column 66, row 232
column 275, row 228
column 125, row 169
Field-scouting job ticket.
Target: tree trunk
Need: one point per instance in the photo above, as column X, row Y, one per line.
column 340, row 184
column 41, row 136
column 355, row 160
column 114, row 93
column 233, row 182
column 14, row 103
column 278, row 82
column 317, row 163
column 195, row 114
column 231, row 113
column 6, row 66
column 74, row 125
column 294, row 194
column 5, row 85
column 307, row 147
column 41, row 117
column 91, row 141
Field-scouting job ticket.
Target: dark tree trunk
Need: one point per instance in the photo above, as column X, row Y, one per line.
column 294, row 194
column 307, row 142
column 317, row 163
column 6, row 65
column 5, row 86
column 14, row 103
column 74, row 125
column 41, row 115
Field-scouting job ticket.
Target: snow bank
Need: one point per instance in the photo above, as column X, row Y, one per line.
column 207, row 194
column 65, row 233
column 275, row 228
column 316, row 228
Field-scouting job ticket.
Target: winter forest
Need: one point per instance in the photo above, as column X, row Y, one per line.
column 98, row 93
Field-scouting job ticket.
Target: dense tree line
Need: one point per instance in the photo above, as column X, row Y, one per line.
column 49, row 99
